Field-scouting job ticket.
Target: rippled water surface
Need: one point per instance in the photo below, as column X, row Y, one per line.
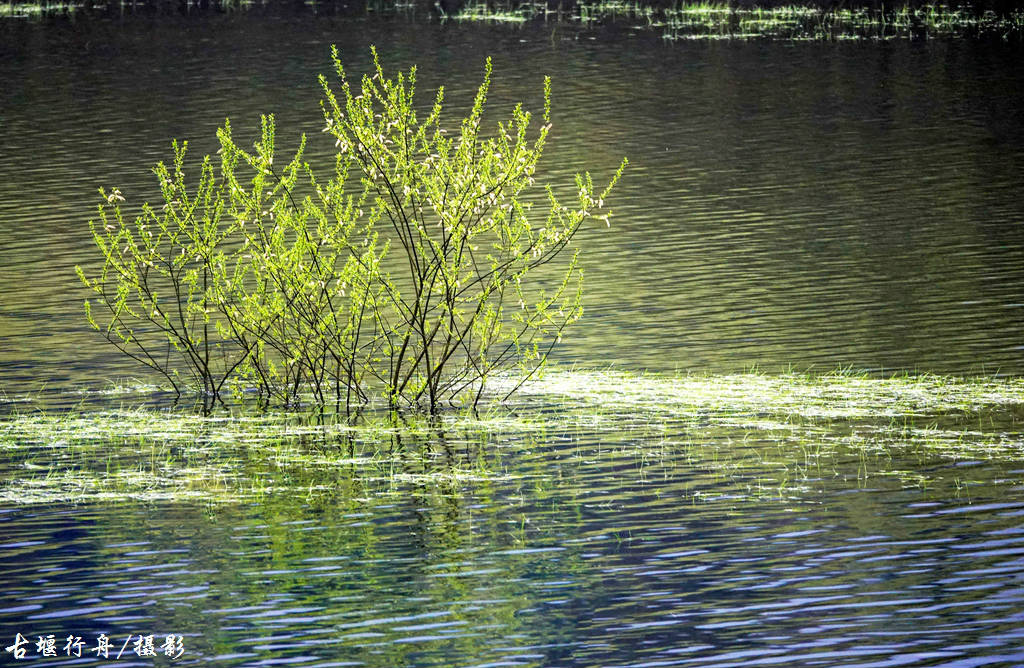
column 823, row 204
column 605, row 521
column 827, row 204
column 664, row 544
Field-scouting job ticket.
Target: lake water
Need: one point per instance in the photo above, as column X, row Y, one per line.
column 601, row 534
column 806, row 204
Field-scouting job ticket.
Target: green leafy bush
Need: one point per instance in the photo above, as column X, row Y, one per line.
column 404, row 274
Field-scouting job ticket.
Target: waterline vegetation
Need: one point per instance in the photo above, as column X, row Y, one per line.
column 681, row 21
column 812, row 23
column 11, row 10
column 705, row 21
column 749, row 436
column 678, row 21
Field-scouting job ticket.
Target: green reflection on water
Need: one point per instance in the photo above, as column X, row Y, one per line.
column 586, row 515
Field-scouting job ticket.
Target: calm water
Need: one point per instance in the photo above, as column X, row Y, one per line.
column 788, row 203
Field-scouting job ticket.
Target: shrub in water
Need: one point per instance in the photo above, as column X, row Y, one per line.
column 406, row 272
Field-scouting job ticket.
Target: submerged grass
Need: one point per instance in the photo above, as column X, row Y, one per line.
column 705, row 21
column 800, row 22
column 746, row 436
column 680, row 21
column 36, row 9
column 835, row 395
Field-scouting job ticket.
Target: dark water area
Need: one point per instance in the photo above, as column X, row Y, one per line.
column 807, row 204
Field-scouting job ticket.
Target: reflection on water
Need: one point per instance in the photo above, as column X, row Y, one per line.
column 607, row 521
column 788, row 203
column 596, row 551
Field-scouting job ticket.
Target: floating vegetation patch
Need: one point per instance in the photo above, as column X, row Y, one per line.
column 149, row 455
column 703, row 21
column 681, row 21
column 743, row 437
column 833, row 396
column 11, row 10
column 812, row 23
column 481, row 11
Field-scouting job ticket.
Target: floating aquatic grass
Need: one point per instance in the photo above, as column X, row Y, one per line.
column 814, row 23
column 746, row 436
column 836, row 395
column 480, row 11
column 32, row 9
column 682, row 21
column 710, row 21
column 153, row 456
